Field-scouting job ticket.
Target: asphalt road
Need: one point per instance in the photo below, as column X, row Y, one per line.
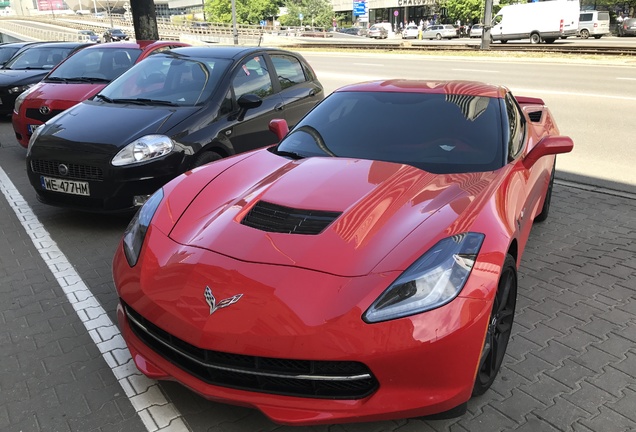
column 571, row 364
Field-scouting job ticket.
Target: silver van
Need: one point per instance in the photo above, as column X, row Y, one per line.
column 593, row 23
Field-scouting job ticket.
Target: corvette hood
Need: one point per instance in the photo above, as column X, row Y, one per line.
column 362, row 209
column 83, row 124
column 74, row 92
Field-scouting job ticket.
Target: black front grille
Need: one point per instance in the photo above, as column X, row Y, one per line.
column 35, row 114
column 535, row 116
column 75, row 171
column 275, row 218
column 302, row 378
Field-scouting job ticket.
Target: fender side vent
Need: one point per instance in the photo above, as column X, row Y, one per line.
column 535, row 116
column 270, row 217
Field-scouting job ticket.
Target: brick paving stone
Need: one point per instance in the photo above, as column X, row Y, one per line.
column 545, row 388
column 613, row 381
column 518, row 406
column 562, row 414
column 589, row 397
column 556, row 353
column 609, row 420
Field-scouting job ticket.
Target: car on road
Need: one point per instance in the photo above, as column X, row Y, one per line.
column 115, row 35
column 378, row 32
column 627, row 27
column 78, row 78
column 476, row 31
column 593, row 23
column 355, row 31
column 440, row 31
column 410, row 32
column 169, row 113
column 347, row 273
column 89, row 35
column 29, row 67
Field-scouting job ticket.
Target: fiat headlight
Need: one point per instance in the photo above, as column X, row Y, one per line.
column 435, row 279
column 136, row 231
column 20, row 89
column 144, row 149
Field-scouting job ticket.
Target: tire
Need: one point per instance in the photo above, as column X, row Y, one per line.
column 503, row 41
column 549, row 40
column 438, row 36
column 597, row 36
column 205, row 157
column 499, row 328
column 585, row 34
column 535, row 38
column 545, row 210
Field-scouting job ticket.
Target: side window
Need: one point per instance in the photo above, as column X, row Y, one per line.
column 585, row 17
column 226, row 104
column 253, row 77
column 517, row 125
column 289, row 70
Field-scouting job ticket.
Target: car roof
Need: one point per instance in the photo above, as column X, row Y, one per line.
column 66, row 44
column 230, row 52
column 139, row 44
column 457, row 87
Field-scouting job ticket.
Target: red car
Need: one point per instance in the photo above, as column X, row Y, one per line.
column 365, row 268
column 78, row 78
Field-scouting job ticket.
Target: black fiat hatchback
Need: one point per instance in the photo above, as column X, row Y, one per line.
column 169, row 113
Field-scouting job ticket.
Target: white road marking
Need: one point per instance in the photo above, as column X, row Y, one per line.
column 476, row 70
column 624, row 78
column 155, row 411
column 368, row 64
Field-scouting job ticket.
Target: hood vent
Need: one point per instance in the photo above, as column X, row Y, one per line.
column 270, row 217
column 535, row 116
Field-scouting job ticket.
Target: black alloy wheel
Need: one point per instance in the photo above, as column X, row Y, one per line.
column 499, row 328
column 205, row 158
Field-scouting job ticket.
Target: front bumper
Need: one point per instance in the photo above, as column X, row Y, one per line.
column 423, row 364
column 111, row 189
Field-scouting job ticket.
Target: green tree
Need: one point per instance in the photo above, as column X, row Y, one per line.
column 468, row 11
column 318, row 12
column 247, row 11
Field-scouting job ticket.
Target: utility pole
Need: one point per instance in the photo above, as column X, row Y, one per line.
column 234, row 28
column 485, row 35
column 144, row 18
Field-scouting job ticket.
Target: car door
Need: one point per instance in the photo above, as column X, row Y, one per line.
column 299, row 89
column 250, row 130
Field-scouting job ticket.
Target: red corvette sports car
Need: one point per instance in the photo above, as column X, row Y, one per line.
column 365, row 268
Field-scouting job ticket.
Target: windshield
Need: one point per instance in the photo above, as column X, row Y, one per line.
column 44, row 57
column 167, row 80
column 99, row 64
column 438, row 133
column 7, row 53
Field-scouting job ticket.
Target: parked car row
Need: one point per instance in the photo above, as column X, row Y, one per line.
column 364, row 248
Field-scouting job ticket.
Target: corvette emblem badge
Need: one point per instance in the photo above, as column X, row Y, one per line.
column 211, row 300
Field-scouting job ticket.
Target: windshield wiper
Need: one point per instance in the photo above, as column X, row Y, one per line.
column 104, row 98
column 143, row 101
column 57, row 79
column 88, row 79
column 293, row 155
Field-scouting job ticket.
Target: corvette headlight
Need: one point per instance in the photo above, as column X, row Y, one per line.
column 136, row 231
column 435, row 279
column 144, row 149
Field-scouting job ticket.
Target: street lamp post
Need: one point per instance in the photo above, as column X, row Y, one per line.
column 234, row 28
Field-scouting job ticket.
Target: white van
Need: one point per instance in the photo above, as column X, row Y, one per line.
column 594, row 23
column 543, row 21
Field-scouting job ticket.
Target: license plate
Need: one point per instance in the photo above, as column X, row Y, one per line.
column 32, row 128
column 65, row 186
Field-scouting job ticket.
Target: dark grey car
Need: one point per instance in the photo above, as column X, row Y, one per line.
column 627, row 28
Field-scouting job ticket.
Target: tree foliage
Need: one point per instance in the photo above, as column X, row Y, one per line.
column 247, row 11
column 318, row 12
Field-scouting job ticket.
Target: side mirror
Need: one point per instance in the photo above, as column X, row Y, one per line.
column 550, row 145
column 279, row 127
column 246, row 102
